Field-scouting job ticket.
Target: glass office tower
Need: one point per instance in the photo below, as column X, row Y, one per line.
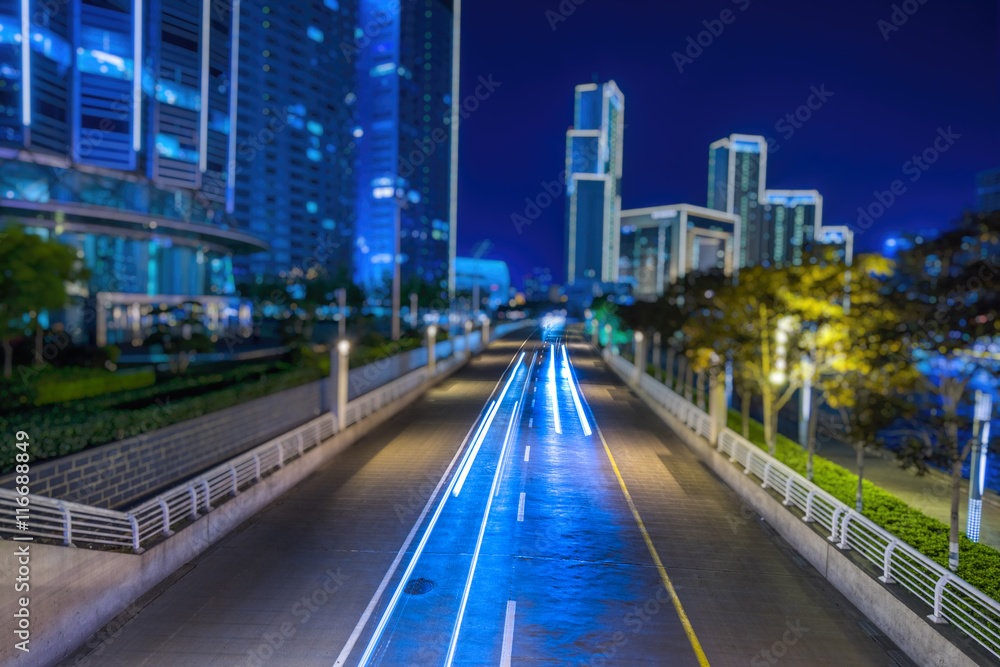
column 737, row 170
column 113, row 115
column 294, row 153
column 791, row 222
column 405, row 138
column 593, row 183
column 105, row 143
column 662, row 244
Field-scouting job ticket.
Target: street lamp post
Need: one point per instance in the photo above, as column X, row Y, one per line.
column 341, row 312
column 657, row 368
column 640, row 357
column 977, row 471
column 468, row 339
column 595, row 332
column 805, row 402
column 413, row 310
column 609, row 331
column 486, row 331
column 431, row 349
column 338, row 378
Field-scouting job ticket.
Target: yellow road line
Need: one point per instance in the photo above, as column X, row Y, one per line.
column 702, row 660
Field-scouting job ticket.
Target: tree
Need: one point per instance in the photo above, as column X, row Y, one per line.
column 950, row 305
column 831, row 327
column 183, row 337
column 33, row 276
column 748, row 319
column 870, row 378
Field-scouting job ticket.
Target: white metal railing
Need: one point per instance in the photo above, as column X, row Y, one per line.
column 74, row 523
column 951, row 598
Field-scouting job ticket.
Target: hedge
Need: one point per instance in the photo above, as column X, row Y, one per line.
column 55, row 388
column 91, row 422
column 978, row 564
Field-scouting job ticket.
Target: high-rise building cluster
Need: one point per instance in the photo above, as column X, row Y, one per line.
column 186, row 146
column 744, row 223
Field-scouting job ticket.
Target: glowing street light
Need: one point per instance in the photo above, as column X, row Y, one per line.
column 432, row 331
column 977, row 472
column 640, row 356
column 339, row 369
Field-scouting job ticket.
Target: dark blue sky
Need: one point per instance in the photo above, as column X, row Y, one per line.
column 889, row 97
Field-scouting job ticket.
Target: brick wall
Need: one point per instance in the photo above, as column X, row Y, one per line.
column 118, row 474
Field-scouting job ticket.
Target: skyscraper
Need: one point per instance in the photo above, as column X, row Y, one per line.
column 113, row 114
column 737, row 170
column 293, row 176
column 988, row 191
column 593, row 183
column 791, row 222
column 406, row 122
column 662, row 244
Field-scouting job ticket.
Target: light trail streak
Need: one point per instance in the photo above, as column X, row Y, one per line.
column 482, row 434
column 576, row 396
column 479, row 543
column 552, row 386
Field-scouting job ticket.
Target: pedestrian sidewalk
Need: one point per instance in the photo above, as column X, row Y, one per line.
column 930, row 493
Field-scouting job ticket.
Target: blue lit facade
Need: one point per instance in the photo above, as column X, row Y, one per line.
column 404, row 69
column 105, row 141
column 492, row 276
column 737, row 173
column 593, row 183
column 295, row 147
column 791, row 222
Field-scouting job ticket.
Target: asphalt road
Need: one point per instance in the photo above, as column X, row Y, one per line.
column 487, row 524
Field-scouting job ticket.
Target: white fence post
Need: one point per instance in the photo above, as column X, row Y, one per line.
column 135, row 533
column 938, row 616
column 67, row 524
column 165, row 509
column 886, row 577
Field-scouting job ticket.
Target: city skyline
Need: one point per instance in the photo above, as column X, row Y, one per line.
column 873, row 116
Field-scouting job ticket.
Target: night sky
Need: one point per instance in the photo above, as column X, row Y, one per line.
column 889, row 97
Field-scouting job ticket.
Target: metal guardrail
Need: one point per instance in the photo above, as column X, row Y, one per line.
column 951, row 599
column 74, row 523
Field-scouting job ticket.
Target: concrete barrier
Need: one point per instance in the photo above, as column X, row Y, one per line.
column 902, row 622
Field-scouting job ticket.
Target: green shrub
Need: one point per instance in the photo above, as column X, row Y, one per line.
column 979, row 564
column 57, row 387
column 90, row 422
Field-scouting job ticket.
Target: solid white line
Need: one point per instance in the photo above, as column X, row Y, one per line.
column 527, row 452
column 508, row 634
column 363, row 621
column 576, row 397
column 482, row 435
column 479, row 543
column 552, row 387
column 518, row 405
column 352, row 640
column 520, row 508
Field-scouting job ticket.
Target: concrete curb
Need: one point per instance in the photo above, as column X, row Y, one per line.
column 907, row 627
column 76, row 592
